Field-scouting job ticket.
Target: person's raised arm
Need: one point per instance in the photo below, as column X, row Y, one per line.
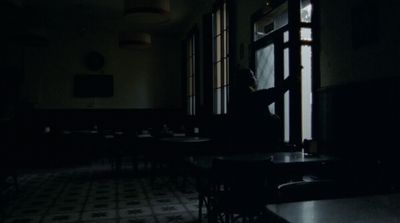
column 288, row 83
column 271, row 95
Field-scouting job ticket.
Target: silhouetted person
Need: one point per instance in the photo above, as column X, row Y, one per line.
column 253, row 126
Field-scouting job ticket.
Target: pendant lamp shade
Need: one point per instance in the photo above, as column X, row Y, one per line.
column 134, row 40
column 147, row 11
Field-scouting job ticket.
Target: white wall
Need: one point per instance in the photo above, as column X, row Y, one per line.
column 149, row 78
column 152, row 78
column 340, row 63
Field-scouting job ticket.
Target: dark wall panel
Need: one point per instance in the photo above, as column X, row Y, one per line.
column 360, row 119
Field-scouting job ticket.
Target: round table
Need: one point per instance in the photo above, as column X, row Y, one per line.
column 185, row 139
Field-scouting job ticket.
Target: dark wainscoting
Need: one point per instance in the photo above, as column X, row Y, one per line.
column 125, row 119
column 33, row 148
column 359, row 122
column 360, row 119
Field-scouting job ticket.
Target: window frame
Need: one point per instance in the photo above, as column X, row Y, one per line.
column 294, row 45
column 221, row 58
column 191, row 78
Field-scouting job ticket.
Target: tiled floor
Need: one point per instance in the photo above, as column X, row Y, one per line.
column 96, row 194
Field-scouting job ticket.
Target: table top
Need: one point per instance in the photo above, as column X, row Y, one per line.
column 281, row 157
column 278, row 158
column 366, row 209
column 297, row 157
column 144, row 135
column 82, row 131
column 185, row 139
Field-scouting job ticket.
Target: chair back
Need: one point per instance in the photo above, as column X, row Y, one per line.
column 246, row 180
column 309, row 190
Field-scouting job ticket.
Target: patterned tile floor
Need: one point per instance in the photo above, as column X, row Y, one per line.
column 96, row 194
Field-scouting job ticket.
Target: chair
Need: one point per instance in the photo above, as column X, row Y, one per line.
column 238, row 189
column 132, row 147
column 84, row 146
column 9, row 159
column 204, row 190
column 309, row 190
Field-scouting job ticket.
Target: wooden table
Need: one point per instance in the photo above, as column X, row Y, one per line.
column 184, row 145
column 367, row 209
column 185, row 139
column 277, row 158
column 287, row 166
column 173, row 151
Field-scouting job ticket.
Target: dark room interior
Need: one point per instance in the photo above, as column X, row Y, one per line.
column 177, row 111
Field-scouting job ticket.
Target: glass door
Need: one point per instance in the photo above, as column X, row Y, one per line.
column 265, row 69
column 282, row 47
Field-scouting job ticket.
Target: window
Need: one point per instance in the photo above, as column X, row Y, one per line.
column 191, row 71
column 275, row 51
column 306, row 71
column 270, row 57
column 220, row 41
column 275, row 20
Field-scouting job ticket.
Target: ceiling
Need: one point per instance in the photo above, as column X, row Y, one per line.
column 105, row 14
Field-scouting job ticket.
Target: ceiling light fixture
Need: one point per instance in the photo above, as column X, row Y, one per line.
column 147, row 11
column 134, row 40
